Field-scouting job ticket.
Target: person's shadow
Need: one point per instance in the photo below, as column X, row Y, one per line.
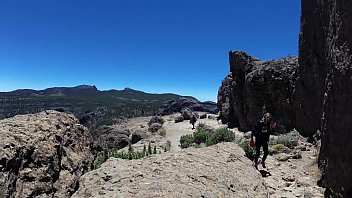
column 264, row 173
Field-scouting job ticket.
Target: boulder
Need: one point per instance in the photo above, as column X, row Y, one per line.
column 137, row 136
column 179, row 119
column 324, row 88
column 154, row 127
column 254, row 87
column 110, row 137
column 203, row 116
column 156, row 119
column 191, row 172
column 43, row 155
column 186, row 113
column 175, row 106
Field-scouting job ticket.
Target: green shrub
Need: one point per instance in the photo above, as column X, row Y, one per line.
column 186, row 141
column 290, row 139
column 154, row 151
column 220, row 135
column 249, row 151
column 279, row 148
column 149, row 149
column 200, row 137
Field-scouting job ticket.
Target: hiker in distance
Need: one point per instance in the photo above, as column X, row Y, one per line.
column 193, row 120
column 262, row 132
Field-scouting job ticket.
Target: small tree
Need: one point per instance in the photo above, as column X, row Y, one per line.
column 149, row 149
column 144, row 150
column 154, row 152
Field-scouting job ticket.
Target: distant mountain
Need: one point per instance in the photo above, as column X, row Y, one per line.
column 92, row 106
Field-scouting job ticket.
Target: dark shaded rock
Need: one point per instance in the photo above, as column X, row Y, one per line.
column 225, row 107
column 324, row 87
column 254, row 87
column 175, row 106
column 186, row 113
column 137, row 136
column 179, row 119
column 203, row 116
column 109, row 137
column 43, row 155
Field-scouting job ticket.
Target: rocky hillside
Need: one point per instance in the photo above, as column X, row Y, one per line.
column 43, row 155
column 324, row 87
column 217, row 171
column 94, row 108
column 253, row 87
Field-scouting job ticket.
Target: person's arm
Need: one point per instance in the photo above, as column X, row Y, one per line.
column 255, row 130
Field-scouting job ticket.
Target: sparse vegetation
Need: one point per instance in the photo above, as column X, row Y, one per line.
column 290, row 139
column 220, row 135
column 278, row 148
column 130, row 154
column 186, row 141
column 203, row 134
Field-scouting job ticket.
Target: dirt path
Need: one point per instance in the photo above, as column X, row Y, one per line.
column 291, row 178
column 174, row 131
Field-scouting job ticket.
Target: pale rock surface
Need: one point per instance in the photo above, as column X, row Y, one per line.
column 43, row 155
column 217, row 171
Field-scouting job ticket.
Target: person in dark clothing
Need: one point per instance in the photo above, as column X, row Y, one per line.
column 262, row 132
column 193, row 120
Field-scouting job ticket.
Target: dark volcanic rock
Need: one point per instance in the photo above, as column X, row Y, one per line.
column 43, row 155
column 324, row 87
column 254, row 87
column 186, row 113
column 179, row 119
column 110, row 137
column 175, row 106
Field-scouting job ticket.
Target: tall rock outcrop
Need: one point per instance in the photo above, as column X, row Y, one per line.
column 324, row 87
column 221, row 170
column 43, row 155
column 253, row 87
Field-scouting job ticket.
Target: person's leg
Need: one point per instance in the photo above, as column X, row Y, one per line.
column 257, row 153
column 266, row 152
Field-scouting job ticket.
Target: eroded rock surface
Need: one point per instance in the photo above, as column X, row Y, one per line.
column 217, row 171
column 324, row 87
column 253, row 87
column 43, row 155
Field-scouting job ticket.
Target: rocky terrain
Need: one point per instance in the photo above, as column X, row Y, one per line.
column 218, row 171
column 253, row 87
column 43, row 155
column 163, row 174
column 174, row 106
column 93, row 107
column 324, row 87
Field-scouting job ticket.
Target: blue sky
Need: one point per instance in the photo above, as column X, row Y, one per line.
column 155, row 46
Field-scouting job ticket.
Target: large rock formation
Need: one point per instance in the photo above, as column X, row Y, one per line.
column 253, row 87
column 43, row 155
column 217, row 171
column 175, row 106
column 324, row 87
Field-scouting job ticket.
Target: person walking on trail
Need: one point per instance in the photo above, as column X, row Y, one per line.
column 193, row 120
column 262, row 132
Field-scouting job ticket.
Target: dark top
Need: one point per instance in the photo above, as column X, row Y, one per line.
column 262, row 131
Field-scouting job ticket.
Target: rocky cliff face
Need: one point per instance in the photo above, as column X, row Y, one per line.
column 217, row 171
column 324, row 87
column 253, row 87
column 43, row 155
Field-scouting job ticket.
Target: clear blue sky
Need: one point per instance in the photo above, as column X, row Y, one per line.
column 151, row 45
